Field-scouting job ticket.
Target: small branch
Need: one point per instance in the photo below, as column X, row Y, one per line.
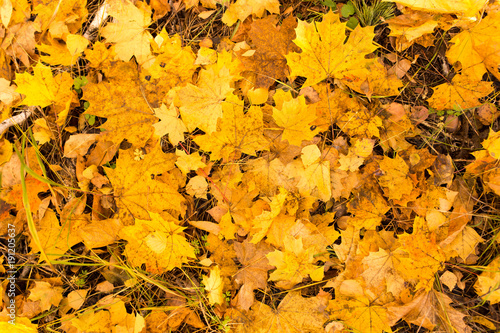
column 15, row 120
column 100, row 16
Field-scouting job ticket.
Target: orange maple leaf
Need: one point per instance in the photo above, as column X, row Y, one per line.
column 137, row 192
column 326, row 54
column 121, row 101
column 295, row 117
column 463, row 92
column 237, row 133
column 271, row 45
column 159, row 243
column 294, row 314
column 294, row 264
column 129, row 31
column 241, row 9
column 201, row 104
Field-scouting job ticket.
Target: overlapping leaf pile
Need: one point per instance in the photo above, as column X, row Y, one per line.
column 298, row 183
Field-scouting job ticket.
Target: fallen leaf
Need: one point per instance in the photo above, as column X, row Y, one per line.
column 253, row 274
column 214, row 286
column 486, row 285
column 271, row 45
column 129, row 31
column 241, row 9
column 136, row 191
column 158, row 243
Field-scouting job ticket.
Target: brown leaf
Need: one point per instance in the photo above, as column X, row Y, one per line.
column 78, row 144
column 487, row 113
column 102, row 153
column 443, row 169
column 433, row 309
column 253, row 274
column 294, row 314
column 272, row 44
column 20, row 42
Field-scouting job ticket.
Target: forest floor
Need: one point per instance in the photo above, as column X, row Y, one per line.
column 250, row 166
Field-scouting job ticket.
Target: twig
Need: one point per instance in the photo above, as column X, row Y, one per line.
column 100, row 16
column 15, row 120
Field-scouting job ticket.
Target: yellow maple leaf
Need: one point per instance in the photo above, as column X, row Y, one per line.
column 380, row 273
column 487, row 283
column 371, row 79
column 136, row 192
column 419, row 257
column 222, row 252
column 159, row 243
column 14, row 195
column 129, row 32
column 395, row 180
column 294, row 314
column 100, row 56
column 76, row 298
column 350, row 240
column 492, row 144
column 173, row 63
column 206, row 56
column 253, row 274
column 100, row 233
column 201, row 104
column 463, row 51
column 23, row 325
column 432, row 309
column 463, row 92
column 8, row 94
column 360, row 123
column 360, row 314
column 464, row 244
column 485, row 38
column 295, row 117
column 228, row 228
column 238, row 132
column 169, row 124
column 113, row 318
column 214, row 286
column 120, row 99
column 54, row 238
column 350, row 162
column 350, row 114
column 326, row 54
column 42, row 89
column 241, row 9
column 410, row 26
column 197, row 187
column 261, row 223
column 368, row 207
column 63, row 54
column 186, row 162
column 364, row 147
column 65, row 16
column 42, row 132
column 47, row 294
column 317, row 172
column 468, row 8
column 92, row 321
column 292, row 265
column 268, row 63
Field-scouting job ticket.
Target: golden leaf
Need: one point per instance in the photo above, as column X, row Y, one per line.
column 159, row 243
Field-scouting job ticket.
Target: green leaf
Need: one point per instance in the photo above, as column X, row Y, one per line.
column 90, row 119
column 79, row 82
column 352, row 23
column 328, row 3
column 347, row 10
